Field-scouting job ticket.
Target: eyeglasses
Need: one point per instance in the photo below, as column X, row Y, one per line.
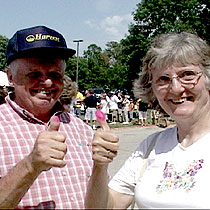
column 187, row 77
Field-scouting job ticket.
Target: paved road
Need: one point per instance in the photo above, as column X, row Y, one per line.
column 130, row 138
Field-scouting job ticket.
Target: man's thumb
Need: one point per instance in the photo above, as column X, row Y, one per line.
column 54, row 123
column 101, row 118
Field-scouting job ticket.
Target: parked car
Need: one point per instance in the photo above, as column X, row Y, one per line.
column 98, row 91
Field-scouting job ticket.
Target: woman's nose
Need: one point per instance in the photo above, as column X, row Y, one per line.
column 176, row 85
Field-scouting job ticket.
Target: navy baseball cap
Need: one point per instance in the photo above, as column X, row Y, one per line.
column 38, row 41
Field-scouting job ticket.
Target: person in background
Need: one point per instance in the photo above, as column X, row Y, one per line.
column 162, row 119
column 131, row 110
column 155, row 116
column 68, row 93
column 4, row 86
column 3, row 94
column 170, row 169
column 91, row 103
column 120, row 107
column 113, row 107
column 126, row 104
column 136, row 112
column 45, row 151
column 104, row 104
column 142, row 112
column 78, row 103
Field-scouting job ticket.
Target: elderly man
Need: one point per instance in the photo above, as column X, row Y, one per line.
column 45, row 152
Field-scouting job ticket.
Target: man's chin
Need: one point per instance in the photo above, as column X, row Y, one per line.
column 44, row 104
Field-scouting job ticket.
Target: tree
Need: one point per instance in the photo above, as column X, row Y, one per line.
column 3, row 43
column 92, row 68
column 153, row 17
column 97, row 67
column 117, row 72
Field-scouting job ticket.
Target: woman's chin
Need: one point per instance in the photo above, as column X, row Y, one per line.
column 182, row 114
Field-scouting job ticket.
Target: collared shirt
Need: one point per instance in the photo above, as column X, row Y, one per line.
column 60, row 188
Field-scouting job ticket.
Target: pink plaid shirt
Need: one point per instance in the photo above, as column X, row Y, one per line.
column 60, row 188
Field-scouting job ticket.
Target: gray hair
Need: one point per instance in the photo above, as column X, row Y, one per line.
column 12, row 66
column 172, row 49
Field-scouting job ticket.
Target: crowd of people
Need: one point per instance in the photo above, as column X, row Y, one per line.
column 118, row 108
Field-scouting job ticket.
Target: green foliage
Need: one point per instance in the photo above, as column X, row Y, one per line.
column 71, row 67
column 153, row 17
column 119, row 64
column 3, row 43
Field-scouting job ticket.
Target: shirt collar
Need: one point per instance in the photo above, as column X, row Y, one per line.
column 57, row 110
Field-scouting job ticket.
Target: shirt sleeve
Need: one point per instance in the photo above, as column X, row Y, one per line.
column 124, row 181
column 126, row 178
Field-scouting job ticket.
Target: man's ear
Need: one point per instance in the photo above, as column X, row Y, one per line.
column 10, row 77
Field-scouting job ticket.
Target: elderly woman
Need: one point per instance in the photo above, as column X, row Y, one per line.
column 169, row 169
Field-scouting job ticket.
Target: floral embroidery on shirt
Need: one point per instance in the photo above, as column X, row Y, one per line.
column 173, row 180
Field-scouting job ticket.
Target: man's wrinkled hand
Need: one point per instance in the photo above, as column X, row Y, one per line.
column 50, row 148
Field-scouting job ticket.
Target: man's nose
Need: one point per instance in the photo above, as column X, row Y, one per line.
column 46, row 81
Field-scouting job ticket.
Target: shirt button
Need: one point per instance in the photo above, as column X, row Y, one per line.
column 64, row 173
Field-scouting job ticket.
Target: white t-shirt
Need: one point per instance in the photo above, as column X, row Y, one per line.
column 113, row 102
column 176, row 177
column 126, row 103
column 105, row 103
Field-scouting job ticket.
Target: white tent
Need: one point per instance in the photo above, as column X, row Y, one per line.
column 3, row 79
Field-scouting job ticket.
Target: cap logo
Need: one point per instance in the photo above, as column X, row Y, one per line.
column 38, row 37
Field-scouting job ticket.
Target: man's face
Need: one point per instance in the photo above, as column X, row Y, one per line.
column 38, row 83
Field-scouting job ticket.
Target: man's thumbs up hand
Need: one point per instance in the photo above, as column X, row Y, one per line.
column 50, row 148
column 54, row 124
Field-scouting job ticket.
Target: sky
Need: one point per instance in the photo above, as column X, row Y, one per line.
column 93, row 21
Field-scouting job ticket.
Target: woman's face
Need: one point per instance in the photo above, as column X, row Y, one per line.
column 181, row 100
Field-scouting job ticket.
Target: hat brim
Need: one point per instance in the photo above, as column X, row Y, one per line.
column 44, row 52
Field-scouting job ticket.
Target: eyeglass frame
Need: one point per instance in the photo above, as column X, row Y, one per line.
column 165, row 86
